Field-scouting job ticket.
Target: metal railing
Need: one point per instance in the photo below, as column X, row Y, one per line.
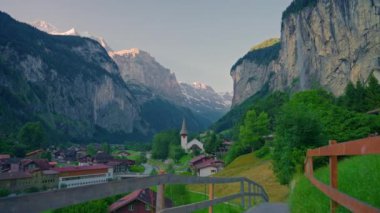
column 366, row 146
column 37, row 202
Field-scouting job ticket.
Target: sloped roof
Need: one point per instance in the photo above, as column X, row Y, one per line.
column 144, row 195
column 207, row 163
column 197, row 158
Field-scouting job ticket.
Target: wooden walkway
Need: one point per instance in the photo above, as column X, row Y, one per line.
column 269, row 208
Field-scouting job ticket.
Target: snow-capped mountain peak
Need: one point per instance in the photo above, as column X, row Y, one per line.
column 45, row 26
column 132, row 52
column 200, row 85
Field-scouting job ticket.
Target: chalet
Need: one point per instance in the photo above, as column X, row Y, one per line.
column 31, row 165
column 85, row 160
column 120, row 166
column 75, row 176
column 139, row 201
column 224, row 147
column 205, row 166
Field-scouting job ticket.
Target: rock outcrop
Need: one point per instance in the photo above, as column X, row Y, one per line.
column 325, row 44
column 140, row 67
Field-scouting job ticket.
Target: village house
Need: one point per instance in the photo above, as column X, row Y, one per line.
column 139, row 201
column 205, row 166
column 224, row 147
column 28, row 173
column 120, row 167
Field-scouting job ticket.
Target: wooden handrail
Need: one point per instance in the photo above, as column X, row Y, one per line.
column 41, row 201
column 365, row 146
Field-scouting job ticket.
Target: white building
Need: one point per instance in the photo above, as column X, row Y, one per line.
column 75, row 176
column 193, row 144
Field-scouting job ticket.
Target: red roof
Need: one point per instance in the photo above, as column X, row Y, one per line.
column 195, row 159
column 4, row 156
column 144, row 195
column 80, row 168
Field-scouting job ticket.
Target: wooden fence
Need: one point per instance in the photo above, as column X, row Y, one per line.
column 366, row 146
column 37, row 202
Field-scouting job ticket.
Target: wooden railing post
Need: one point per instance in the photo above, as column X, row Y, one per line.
column 160, row 199
column 242, row 193
column 249, row 196
column 210, row 196
column 333, row 177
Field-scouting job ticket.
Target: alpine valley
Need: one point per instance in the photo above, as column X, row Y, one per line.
column 81, row 90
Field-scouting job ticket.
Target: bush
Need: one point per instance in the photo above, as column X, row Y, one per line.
column 4, row 192
column 264, row 151
column 32, row 189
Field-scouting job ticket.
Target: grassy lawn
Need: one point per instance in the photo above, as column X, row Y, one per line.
column 137, row 168
column 359, row 177
column 158, row 163
column 256, row 169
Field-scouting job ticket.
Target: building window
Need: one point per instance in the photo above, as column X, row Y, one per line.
column 147, row 207
column 131, row 208
column 213, row 171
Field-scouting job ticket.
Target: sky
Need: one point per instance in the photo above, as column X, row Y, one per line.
column 198, row 40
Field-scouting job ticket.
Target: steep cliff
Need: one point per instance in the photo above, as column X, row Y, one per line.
column 67, row 82
column 324, row 43
column 72, row 86
column 138, row 66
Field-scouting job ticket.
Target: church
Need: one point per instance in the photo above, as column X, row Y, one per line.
column 193, row 144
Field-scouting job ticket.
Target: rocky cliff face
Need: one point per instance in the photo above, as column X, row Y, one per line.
column 67, row 82
column 326, row 44
column 140, row 67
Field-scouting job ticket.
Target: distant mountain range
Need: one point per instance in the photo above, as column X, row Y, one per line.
column 139, row 67
column 77, row 89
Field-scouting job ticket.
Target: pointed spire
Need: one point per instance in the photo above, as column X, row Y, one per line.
column 184, row 129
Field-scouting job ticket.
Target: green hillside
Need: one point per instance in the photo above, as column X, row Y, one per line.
column 359, row 177
column 254, row 168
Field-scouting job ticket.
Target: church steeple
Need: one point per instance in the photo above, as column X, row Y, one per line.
column 184, row 129
column 183, row 134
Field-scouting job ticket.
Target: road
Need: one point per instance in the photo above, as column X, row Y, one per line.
column 270, row 208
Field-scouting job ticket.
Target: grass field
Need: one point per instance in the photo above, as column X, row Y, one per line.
column 179, row 198
column 256, row 169
column 359, row 177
